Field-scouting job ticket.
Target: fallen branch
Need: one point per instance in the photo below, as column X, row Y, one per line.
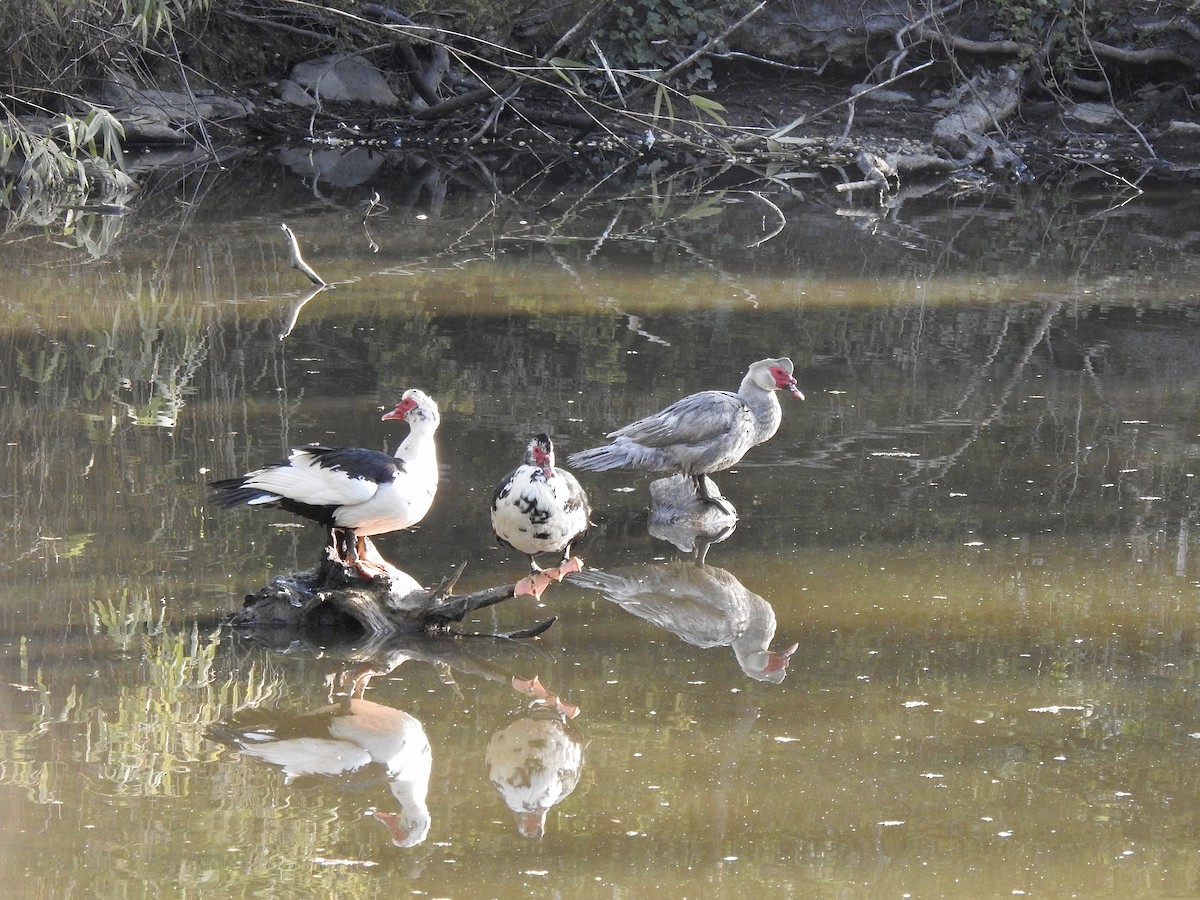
column 966, row 45
column 878, row 173
column 298, row 260
column 334, row 597
column 1146, row 57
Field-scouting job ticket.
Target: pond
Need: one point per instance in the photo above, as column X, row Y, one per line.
column 976, row 528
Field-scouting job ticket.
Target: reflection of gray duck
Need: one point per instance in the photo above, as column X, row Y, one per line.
column 677, row 515
column 534, row 763
column 539, row 508
column 349, row 739
column 703, row 605
column 702, row 433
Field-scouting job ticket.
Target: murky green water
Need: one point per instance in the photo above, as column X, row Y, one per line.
column 978, row 529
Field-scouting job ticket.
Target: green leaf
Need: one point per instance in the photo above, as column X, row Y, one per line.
column 710, row 108
column 710, row 206
column 662, row 97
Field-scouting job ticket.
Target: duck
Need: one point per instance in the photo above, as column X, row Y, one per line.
column 701, row 434
column 352, row 491
column 353, row 741
column 533, row 763
column 538, row 508
column 705, row 606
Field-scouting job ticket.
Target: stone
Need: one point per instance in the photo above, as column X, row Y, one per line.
column 338, row 78
column 1093, row 113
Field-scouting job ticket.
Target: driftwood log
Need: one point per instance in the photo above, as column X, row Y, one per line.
column 334, row 597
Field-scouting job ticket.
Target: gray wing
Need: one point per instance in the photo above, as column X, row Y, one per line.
column 694, row 419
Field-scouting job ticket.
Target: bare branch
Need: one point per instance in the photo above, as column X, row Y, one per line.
column 298, row 260
column 786, row 129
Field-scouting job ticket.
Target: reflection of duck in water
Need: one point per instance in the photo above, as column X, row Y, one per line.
column 534, row 763
column 703, row 605
column 677, row 516
column 349, row 740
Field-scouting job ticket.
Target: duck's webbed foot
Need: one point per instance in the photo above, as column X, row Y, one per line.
column 539, row 579
column 708, row 492
column 706, row 489
column 370, row 562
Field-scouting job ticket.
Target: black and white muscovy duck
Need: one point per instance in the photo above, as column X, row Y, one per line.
column 541, row 509
column 353, row 491
column 702, row 433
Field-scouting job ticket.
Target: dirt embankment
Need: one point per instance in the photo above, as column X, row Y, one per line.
column 960, row 94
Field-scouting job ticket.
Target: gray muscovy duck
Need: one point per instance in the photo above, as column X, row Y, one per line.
column 702, row 433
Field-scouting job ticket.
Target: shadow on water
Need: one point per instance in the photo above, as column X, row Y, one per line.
column 977, row 530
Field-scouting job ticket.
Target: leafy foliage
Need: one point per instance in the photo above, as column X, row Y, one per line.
column 1056, row 30
column 656, row 34
column 55, row 47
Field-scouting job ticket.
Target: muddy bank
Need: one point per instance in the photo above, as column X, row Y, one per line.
column 862, row 139
column 875, row 96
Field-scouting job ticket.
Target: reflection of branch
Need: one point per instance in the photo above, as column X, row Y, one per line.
column 373, row 202
column 981, row 372
column 299, row 306
column 942, row 464
column 782, row 221
column 634, row 323
column 298, row 260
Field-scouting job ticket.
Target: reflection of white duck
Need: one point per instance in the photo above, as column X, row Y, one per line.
column 703, row 605
column 533, row 763
column 345, row 739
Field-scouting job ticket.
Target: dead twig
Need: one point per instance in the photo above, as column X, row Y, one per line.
column 792, row 126
column 298, row 260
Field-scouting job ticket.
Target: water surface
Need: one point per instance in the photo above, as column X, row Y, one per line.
column 977, row 528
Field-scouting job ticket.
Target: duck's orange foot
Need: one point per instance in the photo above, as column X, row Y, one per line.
column 530, row 687
column 370, row 562
column 565, row 568
column 369, row 570
column 533, row 585
column 533, row 689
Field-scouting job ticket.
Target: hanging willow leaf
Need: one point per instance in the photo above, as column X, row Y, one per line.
column 710, row 108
